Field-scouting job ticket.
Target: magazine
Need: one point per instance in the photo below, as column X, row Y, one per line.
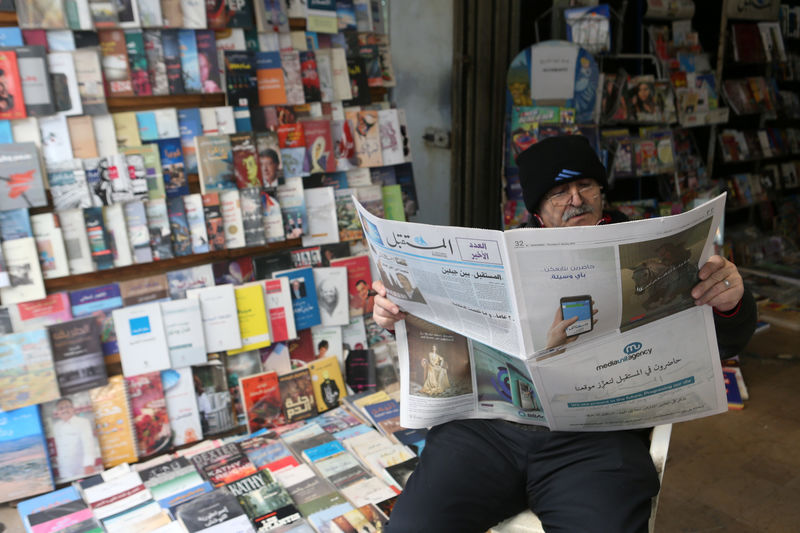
column 583, row 329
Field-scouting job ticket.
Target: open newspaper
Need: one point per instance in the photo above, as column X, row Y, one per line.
column 579, row 329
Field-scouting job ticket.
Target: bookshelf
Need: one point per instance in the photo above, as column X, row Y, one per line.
column 101, row 277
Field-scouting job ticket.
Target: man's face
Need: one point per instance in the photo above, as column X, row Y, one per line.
column 329, row 293
column 270, row 168
column 362, row 289
column 578, row 203
column 64, row 411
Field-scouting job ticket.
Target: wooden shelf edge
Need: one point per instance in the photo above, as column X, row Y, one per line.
column 118, row 104
column 140, row 270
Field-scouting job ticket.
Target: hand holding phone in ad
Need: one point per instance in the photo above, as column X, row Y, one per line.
column 574, row 316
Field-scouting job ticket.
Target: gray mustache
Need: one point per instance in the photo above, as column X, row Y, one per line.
column 573, row 211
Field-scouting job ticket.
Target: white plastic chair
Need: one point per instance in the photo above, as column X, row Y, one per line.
column 527, row 522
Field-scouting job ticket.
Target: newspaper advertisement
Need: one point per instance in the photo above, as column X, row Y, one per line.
column 598, row 331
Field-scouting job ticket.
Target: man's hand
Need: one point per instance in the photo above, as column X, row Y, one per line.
column 557, row 334
column 721, row 285
column 385, row 313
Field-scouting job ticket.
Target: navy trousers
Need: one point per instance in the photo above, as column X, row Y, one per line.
column 473, row 474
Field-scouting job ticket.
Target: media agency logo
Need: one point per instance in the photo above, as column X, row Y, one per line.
column 632, row 348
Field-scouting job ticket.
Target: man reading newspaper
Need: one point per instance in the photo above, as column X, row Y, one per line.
column 474, row 473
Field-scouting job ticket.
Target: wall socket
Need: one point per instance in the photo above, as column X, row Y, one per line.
column 437, row 137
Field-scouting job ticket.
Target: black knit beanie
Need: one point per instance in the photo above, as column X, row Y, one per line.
column 554, row 161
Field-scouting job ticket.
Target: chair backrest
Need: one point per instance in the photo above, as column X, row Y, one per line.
column 527, row 522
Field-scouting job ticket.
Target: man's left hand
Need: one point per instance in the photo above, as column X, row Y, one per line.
column 721, row 285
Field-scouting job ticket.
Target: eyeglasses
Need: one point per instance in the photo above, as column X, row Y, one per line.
column 587, row 190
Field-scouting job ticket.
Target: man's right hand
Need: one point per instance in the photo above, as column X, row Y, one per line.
column 385, row 313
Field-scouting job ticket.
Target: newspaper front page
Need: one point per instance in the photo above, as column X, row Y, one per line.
column 580, row 329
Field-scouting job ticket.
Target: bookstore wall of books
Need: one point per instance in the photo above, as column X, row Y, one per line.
column 187, row 339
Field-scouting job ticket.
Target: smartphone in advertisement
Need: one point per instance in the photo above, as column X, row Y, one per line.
column 577, row 306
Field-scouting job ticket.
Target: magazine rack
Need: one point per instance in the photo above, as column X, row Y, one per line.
column 527, row 522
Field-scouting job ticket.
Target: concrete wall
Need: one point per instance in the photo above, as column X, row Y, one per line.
column 422, row 50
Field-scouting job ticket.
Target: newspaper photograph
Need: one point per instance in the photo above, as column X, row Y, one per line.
column 607, row 335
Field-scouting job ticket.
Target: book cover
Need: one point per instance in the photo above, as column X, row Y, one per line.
column 322, row 227
column 144, row 290
column 89, row 73
column 190, row 127
column 21, row 177
column 37, row 88
column 293, row 207
column 141, row 338
column 234, row 271
column 215, row 163
column 175, row 182
column 114, row 59
column 29, row 374
column 172, row 61
column 279, row 308
column 72, row 441
column 184, row 416
column 167, row 124
column 189, row 278
column 138, row 232
column 149, row 408
column 264, row 500
column 391, row 140
column 252, row 316
column 371, row 197
column 309, row 76
column 137, row 62
column 44, row 502
column 293, row 79
column 269, row 75
column 98, row 302
column 264, row 449
column 245, row 160
column 359, row 87
column 273, row 218
column 214, row 223
column 232, row 219
column 114, row 422
column 183, row 324
column 190, row 63
column 84, row 142
column 228, row 469
column 261, row 401
column 37, row 314
column 213, row 398
column 328, row 383
column 113, row 496
column 331, row 285
column 252, row 216
column 99, row 247
column 343, row 145
column 241, row 83
column 226, row 122
column 77, row 355
column 325, row 72
column 208, row 59
column 214, row 511
column 12, row 103
column 319, row 145
column 346, row 216
column 367, row 139
column 220, row 317
column 269, row 159
column 304, row 296
column 50, row 245
column 179, row 227
column 56, row 143
column 158, row 224
column 126, row 128
column 194, row 14
column 359, row 280
column 23, row 454
column 24, row 272
column 393, row 203
column 148, row 129
column 297, row 395
column 15, row 224
column 195, row 218
column 156, row 65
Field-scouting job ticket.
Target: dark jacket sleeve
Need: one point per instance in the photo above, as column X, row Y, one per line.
column 734, row 331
